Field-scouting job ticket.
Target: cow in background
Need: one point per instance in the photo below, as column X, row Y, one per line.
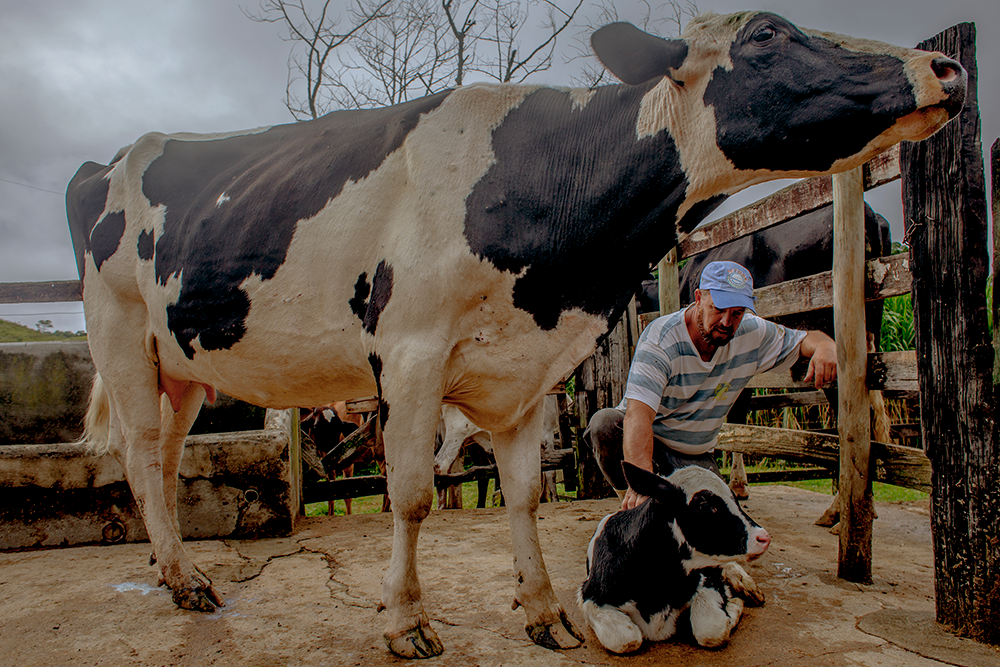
column 323, row 428
column 456, row 434
column 799, row 247
column 471, row 247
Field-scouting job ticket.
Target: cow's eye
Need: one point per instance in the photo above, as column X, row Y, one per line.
column 764, row 34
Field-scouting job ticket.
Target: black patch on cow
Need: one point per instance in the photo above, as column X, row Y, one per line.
column 574, row 192
column 795, row 102
column 232, row 205
column 699, row 211
column 380, row 290
column 145, row 245
column 359, row 302
column 86, row 198
column 383, row 407
column 106, row 236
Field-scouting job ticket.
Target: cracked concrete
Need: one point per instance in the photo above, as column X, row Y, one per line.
column 311, row 599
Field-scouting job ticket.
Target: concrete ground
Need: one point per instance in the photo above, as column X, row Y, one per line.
column 310, row 599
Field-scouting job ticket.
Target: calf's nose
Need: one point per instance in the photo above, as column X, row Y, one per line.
column 758, row 543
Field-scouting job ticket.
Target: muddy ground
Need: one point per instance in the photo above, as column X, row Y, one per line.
column 311, row 599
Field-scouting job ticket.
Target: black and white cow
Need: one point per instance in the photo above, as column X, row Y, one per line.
column 672, row 558
column 423, row 253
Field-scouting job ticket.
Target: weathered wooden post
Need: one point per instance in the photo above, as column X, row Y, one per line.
column 666, row 278
column 944, row 208
column 855, row 562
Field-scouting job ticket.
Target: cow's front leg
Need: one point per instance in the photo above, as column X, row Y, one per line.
column 518, row 456
column 409, row 452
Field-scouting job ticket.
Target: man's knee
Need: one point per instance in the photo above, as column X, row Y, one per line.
column 604, row 436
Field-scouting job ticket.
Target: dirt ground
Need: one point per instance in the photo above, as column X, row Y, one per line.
column 310, row 599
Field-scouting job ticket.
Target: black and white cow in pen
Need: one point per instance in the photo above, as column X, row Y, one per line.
column 470, row 247
column 670, row 561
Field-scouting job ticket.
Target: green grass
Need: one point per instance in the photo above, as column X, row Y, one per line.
column 373, row 504
column 12, row 332
column 884, row 493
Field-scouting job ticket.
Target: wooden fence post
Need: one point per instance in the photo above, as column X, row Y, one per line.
column 666, row 272
column 944, row 207
column 855, row 561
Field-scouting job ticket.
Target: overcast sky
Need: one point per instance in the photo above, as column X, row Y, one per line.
column 81, row 79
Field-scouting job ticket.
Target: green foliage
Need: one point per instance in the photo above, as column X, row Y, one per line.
column 11, row 332
column 898, row 332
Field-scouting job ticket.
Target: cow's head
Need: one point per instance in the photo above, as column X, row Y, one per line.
column 706, row 520
column 750, row 97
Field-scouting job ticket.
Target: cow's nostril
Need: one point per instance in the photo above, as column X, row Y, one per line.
column 946, row 69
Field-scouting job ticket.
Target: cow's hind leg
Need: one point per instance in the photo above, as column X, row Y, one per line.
column 148, row 448
column 518, row 456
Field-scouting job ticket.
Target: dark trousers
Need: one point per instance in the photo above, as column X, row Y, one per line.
column 604, row 436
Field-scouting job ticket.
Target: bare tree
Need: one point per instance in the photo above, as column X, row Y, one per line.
column 507, row 19
column 462, row 28
column 317, row 34
column 392, row 50
column 402, row 53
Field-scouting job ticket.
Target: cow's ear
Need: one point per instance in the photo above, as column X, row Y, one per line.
column 644, row 482
column 635, row 56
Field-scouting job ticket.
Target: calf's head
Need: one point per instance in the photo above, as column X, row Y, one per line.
column 750, row 97
column 704, row 516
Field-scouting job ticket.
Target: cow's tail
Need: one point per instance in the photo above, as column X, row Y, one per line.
column 97, row 423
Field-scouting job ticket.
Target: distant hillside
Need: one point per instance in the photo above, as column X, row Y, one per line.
column 11, row 332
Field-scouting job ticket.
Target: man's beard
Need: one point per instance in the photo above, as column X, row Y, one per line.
column 717, row 337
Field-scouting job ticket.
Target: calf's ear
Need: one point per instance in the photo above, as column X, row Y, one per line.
column 646, row 483
column 635, row 56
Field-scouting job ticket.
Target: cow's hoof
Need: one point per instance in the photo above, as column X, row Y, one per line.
column 740, row 491
column 198, row 599
column 555, row 636
column 419, row 642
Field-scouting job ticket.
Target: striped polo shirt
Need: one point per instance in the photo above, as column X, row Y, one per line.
column 692, row 396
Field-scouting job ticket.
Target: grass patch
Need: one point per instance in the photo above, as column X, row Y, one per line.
column 883, row 493
column 12, row 332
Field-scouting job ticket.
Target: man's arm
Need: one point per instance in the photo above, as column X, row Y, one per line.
column 637, row 444
column 821, row 351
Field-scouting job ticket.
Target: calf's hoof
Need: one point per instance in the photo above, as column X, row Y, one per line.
column 555, row 636
column 418, row 642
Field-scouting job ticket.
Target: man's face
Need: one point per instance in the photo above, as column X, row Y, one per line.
column 716, row 325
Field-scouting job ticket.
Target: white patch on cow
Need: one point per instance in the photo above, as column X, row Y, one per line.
column 614, row 627
column 223, row 198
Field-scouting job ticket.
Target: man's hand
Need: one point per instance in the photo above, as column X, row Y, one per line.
column 822, row 353
column 632, row 499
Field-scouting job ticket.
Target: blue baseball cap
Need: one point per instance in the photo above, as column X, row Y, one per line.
column 730, row 285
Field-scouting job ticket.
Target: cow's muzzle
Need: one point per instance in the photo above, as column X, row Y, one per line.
column 954, row 80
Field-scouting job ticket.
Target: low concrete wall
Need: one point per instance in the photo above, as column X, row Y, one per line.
column 240, row 475
column 240, row 485
column 44, row 389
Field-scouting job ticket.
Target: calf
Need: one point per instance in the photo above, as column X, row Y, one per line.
column 675, row 553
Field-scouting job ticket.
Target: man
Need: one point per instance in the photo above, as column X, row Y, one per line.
column 688, row 369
